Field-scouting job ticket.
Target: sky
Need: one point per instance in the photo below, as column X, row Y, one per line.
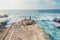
column 29, row 4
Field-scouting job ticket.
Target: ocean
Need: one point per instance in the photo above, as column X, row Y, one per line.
column 42, row 17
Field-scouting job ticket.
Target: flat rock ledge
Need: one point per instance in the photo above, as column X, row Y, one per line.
column 25, row 30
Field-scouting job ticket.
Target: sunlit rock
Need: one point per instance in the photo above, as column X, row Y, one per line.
column 25, row 30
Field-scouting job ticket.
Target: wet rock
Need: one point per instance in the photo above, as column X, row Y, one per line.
column 3, row 16
column 56, row 20
column 58, row 27
column 2, row 25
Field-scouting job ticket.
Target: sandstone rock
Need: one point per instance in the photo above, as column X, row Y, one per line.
column 28, row 32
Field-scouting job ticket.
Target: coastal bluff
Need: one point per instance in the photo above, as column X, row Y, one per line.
column 26, row 29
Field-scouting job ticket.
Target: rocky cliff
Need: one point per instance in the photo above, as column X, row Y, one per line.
column 25, row 30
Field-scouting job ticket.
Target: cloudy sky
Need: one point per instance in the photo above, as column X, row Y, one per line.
column 29, row 4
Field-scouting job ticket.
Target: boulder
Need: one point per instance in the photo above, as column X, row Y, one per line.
column 56, row 20
column 3, row 16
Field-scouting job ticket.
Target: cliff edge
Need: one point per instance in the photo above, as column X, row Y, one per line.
column 26, row 29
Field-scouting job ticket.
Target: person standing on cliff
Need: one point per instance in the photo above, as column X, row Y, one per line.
column 30, row 17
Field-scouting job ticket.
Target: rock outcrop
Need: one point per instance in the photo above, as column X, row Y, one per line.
column 58, row 27
column 25, row 30
column 3, row 16
column 56, row 20
column 3, row 24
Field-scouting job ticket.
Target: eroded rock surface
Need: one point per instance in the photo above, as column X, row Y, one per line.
column 22, row 31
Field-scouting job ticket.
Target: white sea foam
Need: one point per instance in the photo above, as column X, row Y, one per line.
column 48, row 26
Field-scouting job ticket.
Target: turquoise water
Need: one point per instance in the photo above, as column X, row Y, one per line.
column 50, row 29
column 42, row 17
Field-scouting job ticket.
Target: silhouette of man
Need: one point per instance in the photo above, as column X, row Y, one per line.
column 30, row 17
